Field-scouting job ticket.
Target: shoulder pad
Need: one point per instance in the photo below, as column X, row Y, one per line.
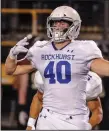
column 94, row 86
column 38, row 82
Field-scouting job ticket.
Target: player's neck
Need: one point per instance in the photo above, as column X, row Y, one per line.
column 62, row 44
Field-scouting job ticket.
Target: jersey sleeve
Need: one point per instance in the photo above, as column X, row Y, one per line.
column 32, row 55
column 34, row 52
column 93, row 52
column 38, row 82
column 94, row 86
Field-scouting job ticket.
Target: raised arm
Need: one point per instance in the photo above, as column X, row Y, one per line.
column 11, row 66
column 100, row 66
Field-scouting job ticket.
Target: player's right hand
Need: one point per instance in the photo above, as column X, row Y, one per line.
column 30, row 128
column 19, row 47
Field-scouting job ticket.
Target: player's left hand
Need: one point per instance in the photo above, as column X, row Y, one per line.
column 30, row 128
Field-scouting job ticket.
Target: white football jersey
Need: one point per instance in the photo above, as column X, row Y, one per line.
column 64, row 73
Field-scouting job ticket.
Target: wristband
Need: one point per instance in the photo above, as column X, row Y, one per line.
column 31, row 122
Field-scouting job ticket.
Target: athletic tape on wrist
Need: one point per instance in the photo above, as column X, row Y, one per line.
column 31, row 122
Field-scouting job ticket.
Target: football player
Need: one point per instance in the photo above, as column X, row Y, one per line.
column 63, row 63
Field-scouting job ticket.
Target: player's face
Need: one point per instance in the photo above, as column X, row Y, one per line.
column 60, row 25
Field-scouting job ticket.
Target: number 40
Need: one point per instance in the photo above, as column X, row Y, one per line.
column 49, row 72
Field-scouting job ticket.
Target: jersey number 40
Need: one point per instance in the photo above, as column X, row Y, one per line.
column 60, row 73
